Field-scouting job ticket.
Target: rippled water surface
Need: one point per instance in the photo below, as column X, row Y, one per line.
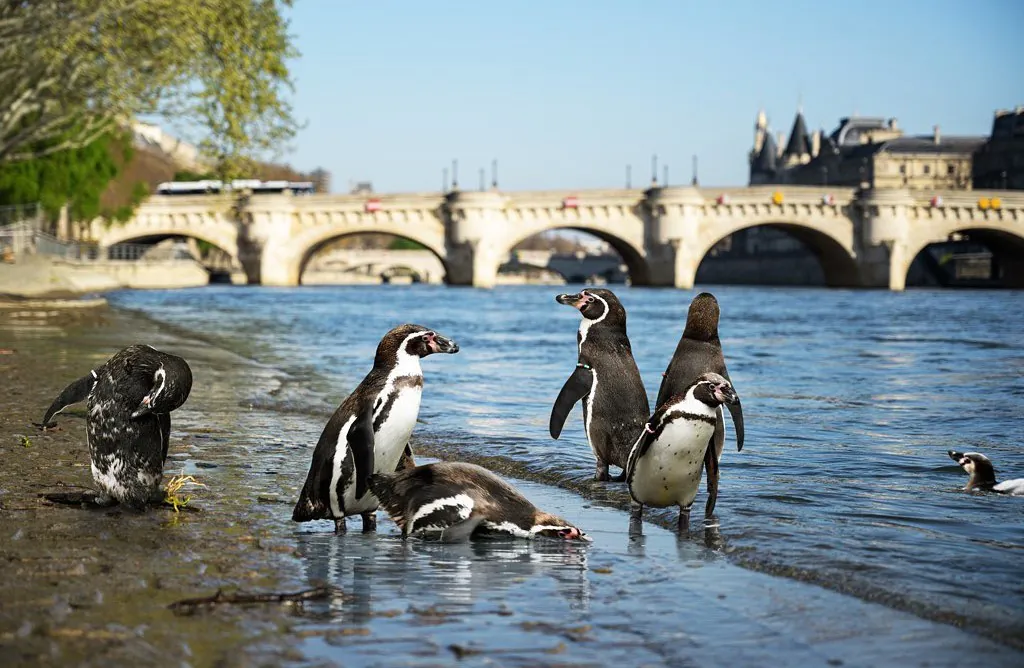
column 851, row 400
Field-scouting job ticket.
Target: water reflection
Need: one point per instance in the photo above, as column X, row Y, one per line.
column 379, row 572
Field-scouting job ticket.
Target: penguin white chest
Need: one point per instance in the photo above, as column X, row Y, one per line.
column 399, row 420
column 669, row 472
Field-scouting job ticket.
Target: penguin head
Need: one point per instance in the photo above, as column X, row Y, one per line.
column 414, row 340
column 714, row 390
column 552, row 526
column 595, row 304
column 169, row 383
column 977, row 465
column 702, row 318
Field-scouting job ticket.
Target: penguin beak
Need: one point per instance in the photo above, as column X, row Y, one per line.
column 442, row 344
column 954, row 455
column 575, row 301
column 726, row 394
column 572, row 533
column 143, row 409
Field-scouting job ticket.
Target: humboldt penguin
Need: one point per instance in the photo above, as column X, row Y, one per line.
column 983, row 474
column 700, row 351
column 458, row 500
column 128, row 424
column 666, row 460
column 606, row 378
column 369, row 432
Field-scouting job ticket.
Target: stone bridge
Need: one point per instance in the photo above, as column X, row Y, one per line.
column 862, row 238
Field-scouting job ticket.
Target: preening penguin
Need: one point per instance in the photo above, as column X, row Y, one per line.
column 665, row 463
column 699, row 352
column 983, row 474
column 460, row 500
column 606, row 378
column 128, row 426
column 369, row 432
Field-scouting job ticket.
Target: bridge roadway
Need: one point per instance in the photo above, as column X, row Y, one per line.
column 863, row 238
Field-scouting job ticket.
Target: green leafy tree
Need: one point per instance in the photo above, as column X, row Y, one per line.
column 76, row 177
column 72, row 70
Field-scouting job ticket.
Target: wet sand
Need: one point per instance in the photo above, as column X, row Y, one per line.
column 85, row 587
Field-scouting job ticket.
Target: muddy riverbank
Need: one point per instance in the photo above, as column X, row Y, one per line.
column 93, row 587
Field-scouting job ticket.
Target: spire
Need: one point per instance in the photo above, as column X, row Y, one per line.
column 798, row 142
column 765, row 162
column 760, row 128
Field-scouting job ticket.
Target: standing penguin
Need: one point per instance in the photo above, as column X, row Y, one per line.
column 369, row 432
column 700, row 351
column 615, row 403
column 128, row 425
column 665, row 463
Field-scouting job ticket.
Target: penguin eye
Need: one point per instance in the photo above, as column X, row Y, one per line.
column 426, row 337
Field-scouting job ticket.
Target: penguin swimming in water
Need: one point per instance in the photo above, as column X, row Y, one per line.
column 369, row 432
column 983, row 474
column 128, row 426
column 460, row 500
column 606, row 378
column 665, row 463
column 700, row 351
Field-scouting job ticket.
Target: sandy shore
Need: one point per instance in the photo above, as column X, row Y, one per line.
column 93, row 587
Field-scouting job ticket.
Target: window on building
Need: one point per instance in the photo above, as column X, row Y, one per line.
column 903, row 169
column 951, row 169
column 927, row 169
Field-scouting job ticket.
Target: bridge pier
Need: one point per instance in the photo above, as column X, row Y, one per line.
column 672, row 226
column 472, row 242
column 883, row 257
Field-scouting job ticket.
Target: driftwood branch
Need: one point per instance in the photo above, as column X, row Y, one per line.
column 190, row 606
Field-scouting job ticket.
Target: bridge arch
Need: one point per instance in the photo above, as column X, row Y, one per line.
column 297, row 253
column 1007, row 247
column 830, row 241
column 632, row 253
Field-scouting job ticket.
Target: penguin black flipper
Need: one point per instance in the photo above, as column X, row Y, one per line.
column 360, row 439
column 165, row 432
column 576, row 387
column 408, row 461
column 72, row 394
column 736, row 411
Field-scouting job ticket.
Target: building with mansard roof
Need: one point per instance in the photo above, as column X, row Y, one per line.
column 862, row 152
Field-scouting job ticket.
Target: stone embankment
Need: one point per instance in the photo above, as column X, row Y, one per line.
column 42, row 276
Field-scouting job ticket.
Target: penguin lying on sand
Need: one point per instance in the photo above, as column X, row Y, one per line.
column 369, row 432
column 983, row 474
column 128, row 424
column 460, row 500
column 700, row 351
column 665, row 463
column 606, row 378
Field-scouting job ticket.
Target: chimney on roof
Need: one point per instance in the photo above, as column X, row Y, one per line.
column 937, row 138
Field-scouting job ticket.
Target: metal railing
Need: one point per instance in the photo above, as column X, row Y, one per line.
column 21, row 214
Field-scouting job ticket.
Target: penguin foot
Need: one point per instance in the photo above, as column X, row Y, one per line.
column 684, row 519
column 601, row 474
column 369, row 522
column 340, row 527
column 636, row 519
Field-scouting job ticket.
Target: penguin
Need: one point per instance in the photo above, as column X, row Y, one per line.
column 666, row 460
column 369, row 432
column 459, row 500
column 128, row 424
column 700, row 351
column 983, row 474
column 606, row 378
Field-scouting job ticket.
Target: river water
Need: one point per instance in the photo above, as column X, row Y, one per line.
column 851, row 399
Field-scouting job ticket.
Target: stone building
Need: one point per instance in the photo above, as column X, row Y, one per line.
column 999, row 162
column 862, row 152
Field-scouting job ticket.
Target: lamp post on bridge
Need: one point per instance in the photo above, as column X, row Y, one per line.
column 494, row 173
column 455, row 174
column 654, row 170
column 664, row 179
column 694, row 182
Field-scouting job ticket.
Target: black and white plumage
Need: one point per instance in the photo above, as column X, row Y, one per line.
column 983, row 474
column 606, row 379
column 665, row 462
column 700, row 351
column 128, row 425
column 369, row 432
column 459, row 500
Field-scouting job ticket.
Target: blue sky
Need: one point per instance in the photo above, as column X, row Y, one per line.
column 565, row 94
